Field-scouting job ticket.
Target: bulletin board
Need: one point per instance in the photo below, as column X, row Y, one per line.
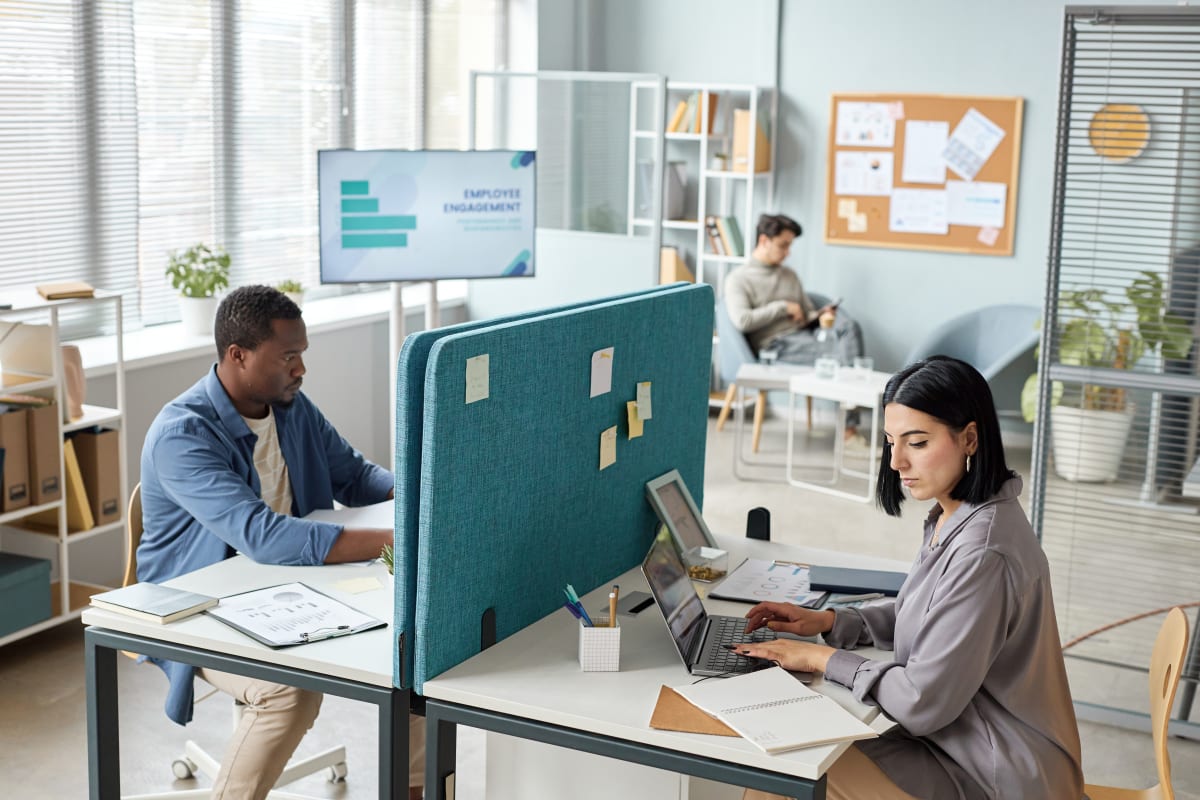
column 923, row 172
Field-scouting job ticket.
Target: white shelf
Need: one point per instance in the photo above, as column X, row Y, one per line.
column 24, row 382
column 93, row 416
column 682, row 224
column 21, row 513
column 107, row 527
column 722, row 259
column 729, row 175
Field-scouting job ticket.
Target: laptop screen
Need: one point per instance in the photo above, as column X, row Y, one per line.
column 674, row 593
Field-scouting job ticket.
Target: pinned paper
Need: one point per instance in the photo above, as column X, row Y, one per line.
column 477, row 378
column 847, row 208
column 358, row 585
column 643, row 401
column 608, row 447
column 988, row 235
column 635, row 422
column 895, row 109
column 857, row 223
column 602, row 364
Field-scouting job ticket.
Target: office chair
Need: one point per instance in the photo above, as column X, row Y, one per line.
column 194, row 759
column 1166, row 661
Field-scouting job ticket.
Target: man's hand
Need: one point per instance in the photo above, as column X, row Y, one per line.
column 358, row 544
column 789, row 618
column 795, row 311
column 789, row 654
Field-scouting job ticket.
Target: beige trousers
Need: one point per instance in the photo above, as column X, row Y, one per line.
column 852, row 777
column 275, row 719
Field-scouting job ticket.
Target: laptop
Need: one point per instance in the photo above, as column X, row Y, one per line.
column 698, row 636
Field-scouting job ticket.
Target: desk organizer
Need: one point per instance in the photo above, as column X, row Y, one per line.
column 706, row 564
column 600, row 647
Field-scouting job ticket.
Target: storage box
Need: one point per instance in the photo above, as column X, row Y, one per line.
column 24, row 592
column 741, row 144
column 706, row 564
column 14, row 438
column 100, row 466
column 45, row 468
column 599, row 647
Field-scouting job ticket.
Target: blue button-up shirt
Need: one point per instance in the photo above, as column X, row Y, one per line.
column 201, row 497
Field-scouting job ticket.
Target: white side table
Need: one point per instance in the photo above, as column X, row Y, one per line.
column 761, row 378
column 849, row 389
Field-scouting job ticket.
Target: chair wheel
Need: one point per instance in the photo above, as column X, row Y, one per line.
column 337, row 773
column 183, row 767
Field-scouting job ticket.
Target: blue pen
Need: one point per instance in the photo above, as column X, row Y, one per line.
column 578, row 604
column 574, row 612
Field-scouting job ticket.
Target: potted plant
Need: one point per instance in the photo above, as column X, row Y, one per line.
column 388, row 557
column 198, row 273
column 293, row 289
column 1089, row 425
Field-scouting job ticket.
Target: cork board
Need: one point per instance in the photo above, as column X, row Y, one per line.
column 923, row 172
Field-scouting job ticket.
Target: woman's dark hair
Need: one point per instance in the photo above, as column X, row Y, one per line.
column 771, row 225
column 954, row 393
column 245, row 315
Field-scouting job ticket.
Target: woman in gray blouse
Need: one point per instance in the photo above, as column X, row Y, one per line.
column 978, row 685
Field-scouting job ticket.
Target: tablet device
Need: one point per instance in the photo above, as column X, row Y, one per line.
column 673, row 503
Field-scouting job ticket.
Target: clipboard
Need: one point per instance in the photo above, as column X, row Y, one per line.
column 291, row 614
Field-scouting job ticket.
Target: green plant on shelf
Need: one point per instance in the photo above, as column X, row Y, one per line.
column 290, row 286
column 199, row 271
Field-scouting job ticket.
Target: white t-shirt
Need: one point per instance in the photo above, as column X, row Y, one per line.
column 268, row 462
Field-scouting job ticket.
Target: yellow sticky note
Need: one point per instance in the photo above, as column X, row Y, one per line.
column 358, row 585
column 635, row 422
column 847, row 208
column 608, row 447
column 643, row 401
column 857, row 223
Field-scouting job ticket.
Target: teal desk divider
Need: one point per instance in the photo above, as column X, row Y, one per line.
column 513, row 505
column 410, row 403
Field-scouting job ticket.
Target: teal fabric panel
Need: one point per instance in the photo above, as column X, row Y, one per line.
column 410, row 402
column 513, row 505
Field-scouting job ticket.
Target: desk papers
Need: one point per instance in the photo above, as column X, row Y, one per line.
column 291, row 614
column 775, row 711
column 758, row 580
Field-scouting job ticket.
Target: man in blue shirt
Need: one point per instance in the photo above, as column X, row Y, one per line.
column 230, row 466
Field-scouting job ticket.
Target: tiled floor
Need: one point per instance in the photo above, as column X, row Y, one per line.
column 43, row 743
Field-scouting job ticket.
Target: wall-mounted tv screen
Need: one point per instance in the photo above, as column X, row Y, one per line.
column 414, row 215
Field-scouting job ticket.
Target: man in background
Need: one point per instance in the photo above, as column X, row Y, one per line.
column 230, row 466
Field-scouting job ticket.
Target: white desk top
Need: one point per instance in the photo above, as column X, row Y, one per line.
column 535, row 674
column 757, row 375
column 850, row 386
column 364, row 657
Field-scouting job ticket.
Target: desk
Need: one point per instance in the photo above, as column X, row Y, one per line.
column 358, row 667
column 530, row 686
column 762, row 378
column 849, row 389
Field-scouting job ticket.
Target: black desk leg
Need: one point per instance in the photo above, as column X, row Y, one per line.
column 393, row 745
column 440, row 745
column 103, row 722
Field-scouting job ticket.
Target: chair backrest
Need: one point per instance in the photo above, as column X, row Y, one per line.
column 732, row 348
column 1166, row 662
column 988, row 338
column 133, row 534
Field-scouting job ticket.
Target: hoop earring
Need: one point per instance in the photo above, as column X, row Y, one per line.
column 968, row 462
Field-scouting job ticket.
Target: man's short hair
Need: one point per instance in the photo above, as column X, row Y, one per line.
column 771, row 225
column 245, row 315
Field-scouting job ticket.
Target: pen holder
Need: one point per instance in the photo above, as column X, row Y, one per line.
column 600, row 647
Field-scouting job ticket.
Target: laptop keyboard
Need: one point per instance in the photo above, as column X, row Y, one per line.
column 729, row 630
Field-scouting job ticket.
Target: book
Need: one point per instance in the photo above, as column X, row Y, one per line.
column 735, row 236
column 714, row 240
column 689, row 114
column 699, row 125
column 673, row 713
column 856, row 581
column 65, row 289
column 723, row 234
column 677, row 117
column 150, row 601
column 775, row 711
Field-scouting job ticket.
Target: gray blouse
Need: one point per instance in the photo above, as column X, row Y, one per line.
column 978, row 685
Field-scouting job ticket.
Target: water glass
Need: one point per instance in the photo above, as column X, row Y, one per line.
column 863, row 366
column 826, row 368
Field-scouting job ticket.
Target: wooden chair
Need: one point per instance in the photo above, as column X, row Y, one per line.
column 195, row 759
column 1165, row 663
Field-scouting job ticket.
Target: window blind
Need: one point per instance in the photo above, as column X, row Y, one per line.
column 1116, row 438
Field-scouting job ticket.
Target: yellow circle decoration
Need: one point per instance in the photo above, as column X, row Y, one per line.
column 1119, row 132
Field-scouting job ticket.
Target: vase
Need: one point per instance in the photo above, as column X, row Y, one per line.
column 196, row 315
column 1088, row 443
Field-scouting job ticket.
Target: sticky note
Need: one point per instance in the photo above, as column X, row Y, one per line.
column 602, row 364
column 847, row 208
column 988, row 235
column 635, row 422
column 895, row 110
column 857, row 223
column 643, row 401
column 358, row 585
column 477, row 378
column 608, row 447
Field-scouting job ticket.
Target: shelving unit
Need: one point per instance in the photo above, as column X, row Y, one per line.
column 708, row 190
column 31, row 363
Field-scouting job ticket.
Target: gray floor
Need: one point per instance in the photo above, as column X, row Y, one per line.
column 43, row 744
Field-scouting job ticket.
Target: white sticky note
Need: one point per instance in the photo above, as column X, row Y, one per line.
column 847, row 207
column 988, row 235
column 477, row 378
column 643, row 401
column 602, row 364
column 358, row 585
column 857, row 223
column 608, row 447
column 635, row 422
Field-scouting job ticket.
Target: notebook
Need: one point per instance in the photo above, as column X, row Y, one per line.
column 855, row 581
column 152, row 602
column 698, row 636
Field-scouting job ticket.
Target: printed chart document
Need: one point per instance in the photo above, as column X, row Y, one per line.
column 775, row 711
column 980, row 203
column 918, row 211
column 757, row 580
column 972, row 143
column 863, row 173
column 924, row 141
column 291, row 614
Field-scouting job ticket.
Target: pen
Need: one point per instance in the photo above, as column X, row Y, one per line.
column 612, row 606
column 778, row 563
column 325, row 633
column 574, row 598
column 855, row 598
column 574, row 611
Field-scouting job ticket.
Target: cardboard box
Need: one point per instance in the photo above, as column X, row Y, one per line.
column 45, row 467
column 24, row 592
column 14, row 439
column 100, row 466
column 741, row 144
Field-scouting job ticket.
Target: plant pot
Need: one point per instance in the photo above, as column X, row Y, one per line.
column 296, row 297
column 1088, row 444
column 196, row 315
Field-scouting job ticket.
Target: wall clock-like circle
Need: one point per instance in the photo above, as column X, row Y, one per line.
column 1119, row 132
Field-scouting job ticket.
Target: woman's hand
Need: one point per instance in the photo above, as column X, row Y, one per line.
column 789, row 654
column 789, row 619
